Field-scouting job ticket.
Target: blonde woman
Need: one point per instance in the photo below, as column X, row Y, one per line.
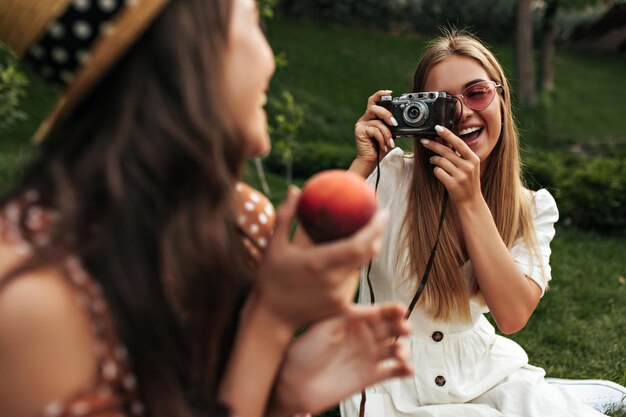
column 493, row 254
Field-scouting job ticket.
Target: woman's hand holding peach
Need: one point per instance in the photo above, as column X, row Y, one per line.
column 301, row 284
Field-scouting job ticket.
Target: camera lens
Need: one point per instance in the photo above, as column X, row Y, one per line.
column 415, row 113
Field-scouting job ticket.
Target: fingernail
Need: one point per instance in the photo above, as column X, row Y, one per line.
column 393, row 144
column 439, row 129
column 388, row 91
column 393, row 120
column 386, row 149
column 425, row 141
column 293, row 190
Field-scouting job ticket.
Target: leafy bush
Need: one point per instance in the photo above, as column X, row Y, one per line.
column 590, row 191
column 547, row 169
column 12, row 90
column 594, row 195
column 283, row 128
column 490, row 19
column 312, row 157
column 369, row 13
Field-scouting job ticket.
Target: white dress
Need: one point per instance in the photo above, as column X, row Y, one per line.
column 461, row 369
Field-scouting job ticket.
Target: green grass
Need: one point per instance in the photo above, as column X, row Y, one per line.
column 586, row 107
column 578, row 330
column 332, row 70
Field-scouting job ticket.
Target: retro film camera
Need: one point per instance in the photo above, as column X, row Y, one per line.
column 417, row 114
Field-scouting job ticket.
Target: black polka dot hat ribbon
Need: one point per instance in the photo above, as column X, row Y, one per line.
column 73, row 43
column 67, row 40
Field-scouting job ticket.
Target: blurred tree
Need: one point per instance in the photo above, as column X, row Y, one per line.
column 266, row 8
column 549, row 33
column 489, row 19
column 548, row 39
column 286, row 124
column 370, row 13
column 524, row 55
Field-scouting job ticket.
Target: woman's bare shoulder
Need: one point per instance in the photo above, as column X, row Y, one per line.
column 47, row 348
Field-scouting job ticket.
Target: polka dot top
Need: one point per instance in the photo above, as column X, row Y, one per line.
column 255, row 219
column 113, row 392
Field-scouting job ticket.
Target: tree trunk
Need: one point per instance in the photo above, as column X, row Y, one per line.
column 524, row 54
column 547, row 46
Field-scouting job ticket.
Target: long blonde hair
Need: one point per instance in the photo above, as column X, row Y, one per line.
column 447, row 294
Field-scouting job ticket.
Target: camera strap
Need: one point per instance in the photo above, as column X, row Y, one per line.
column 429, row 264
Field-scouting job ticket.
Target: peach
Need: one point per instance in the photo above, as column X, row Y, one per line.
column 334, row 204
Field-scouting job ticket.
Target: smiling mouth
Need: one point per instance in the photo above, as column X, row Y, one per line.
column 470, row 134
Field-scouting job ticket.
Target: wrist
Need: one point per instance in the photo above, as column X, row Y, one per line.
column 285, row 400
column 258, row 313
column 362, row 167
column 472, row 205
column 468, row 209
column 258, row 351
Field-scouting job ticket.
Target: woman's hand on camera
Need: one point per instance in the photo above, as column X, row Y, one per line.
column 301, row 284
column 340, row 356
column 456, row 166
column 372, row 130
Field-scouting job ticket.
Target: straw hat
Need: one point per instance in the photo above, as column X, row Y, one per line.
column 72, row 43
